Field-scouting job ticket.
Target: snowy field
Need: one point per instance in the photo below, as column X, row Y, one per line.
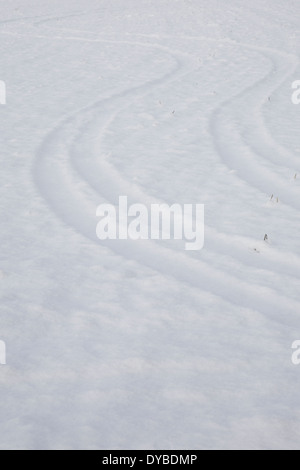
column 132, row 345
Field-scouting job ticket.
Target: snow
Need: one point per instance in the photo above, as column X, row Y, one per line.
column 140, row 344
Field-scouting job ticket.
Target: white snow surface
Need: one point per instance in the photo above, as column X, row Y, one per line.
column 142, row 345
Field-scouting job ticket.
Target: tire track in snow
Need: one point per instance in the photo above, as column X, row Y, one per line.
column 254, row 134
column 41, row 19
column 238, row 247
column 271, row 260
column 74, row 202
column 105, row 179
column 251, row 151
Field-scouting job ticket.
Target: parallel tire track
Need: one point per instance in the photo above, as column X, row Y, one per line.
column 62, row 172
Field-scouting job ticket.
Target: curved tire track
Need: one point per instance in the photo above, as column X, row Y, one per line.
column 251, row 151
column 59, row 172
